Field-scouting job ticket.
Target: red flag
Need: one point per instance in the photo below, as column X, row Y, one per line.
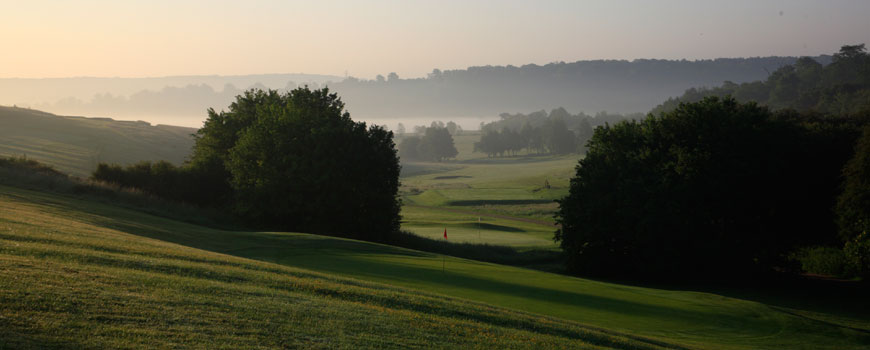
column 445, row 233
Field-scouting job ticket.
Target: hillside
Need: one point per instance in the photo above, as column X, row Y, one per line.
column 619, row 86
column 79, row 273
column 839, row 88
column 590, row 86
column 75, row 144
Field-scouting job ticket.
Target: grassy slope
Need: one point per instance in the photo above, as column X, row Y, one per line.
column 77, row 274
column 93, row 275
column 75, row 145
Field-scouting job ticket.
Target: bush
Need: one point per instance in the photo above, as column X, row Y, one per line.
column 827, row 261
column 165, row 180
column 32, row 175
column 28, row 173
column 857, row 253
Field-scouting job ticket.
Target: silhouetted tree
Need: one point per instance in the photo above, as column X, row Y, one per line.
column 408, row 148
column 437, row 144
column 712, row 188
column 433, row 143
column 453, row 128
column 853, row 207
column 296, row 161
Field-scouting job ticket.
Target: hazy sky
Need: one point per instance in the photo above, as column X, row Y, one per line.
column 133, row 38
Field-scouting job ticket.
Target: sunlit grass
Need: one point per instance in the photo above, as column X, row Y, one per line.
column 75, row 274
column 81, row 274
column 75, row 145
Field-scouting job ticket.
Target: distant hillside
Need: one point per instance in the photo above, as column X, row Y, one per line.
column 32, row 92
column 615, row 86
column 175, row 100
column 841, row 87
column 76, row 144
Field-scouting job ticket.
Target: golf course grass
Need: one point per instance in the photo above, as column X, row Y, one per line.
column 95, row 275
column 77, row 274
column 506, row 201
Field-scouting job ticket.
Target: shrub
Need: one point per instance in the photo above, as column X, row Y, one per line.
column 822, row 260
column 857, row 253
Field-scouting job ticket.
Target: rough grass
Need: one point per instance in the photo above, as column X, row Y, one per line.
column 73, row 276
column 83, row 274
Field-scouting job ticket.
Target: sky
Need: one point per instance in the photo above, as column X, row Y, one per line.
column 153, row 38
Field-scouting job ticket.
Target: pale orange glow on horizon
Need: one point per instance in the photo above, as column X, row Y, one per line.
column 366, row 38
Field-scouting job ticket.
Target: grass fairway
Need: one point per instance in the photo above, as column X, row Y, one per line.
column 513, row 197
column 468, row 227
column 76, row 274
column 93, row 275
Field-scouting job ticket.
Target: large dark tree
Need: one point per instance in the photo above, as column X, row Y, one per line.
column 712, row 188
column 853, row 207
column 296, row 161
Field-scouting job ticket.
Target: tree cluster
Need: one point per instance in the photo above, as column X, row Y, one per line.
column 711, row 188
column 841, row 87
column 433, row 143
column 557, row 132
column 292, row 161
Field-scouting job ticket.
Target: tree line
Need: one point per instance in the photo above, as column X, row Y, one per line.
column 621, row 86
column 841, row 87
column 558, row 132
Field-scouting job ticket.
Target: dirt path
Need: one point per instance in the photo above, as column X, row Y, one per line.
column 497, row 216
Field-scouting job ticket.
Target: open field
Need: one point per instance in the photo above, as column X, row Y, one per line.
column 75, row 145
column 95, row 275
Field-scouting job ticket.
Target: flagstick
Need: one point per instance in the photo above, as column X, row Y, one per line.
column 443, row 257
